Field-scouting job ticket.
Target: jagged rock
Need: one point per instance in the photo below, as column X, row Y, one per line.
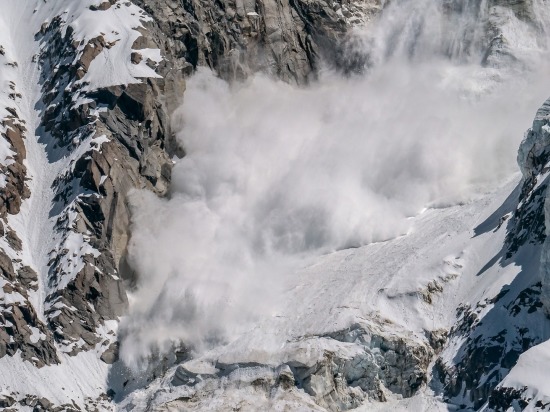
column 30, row 400
column 16, row 189
column 13, row 240
column 136, row 101
column 533, row 154
column 15, row 133
column 91, row 51
column 437, row 339
column 336, row 379
column 6, row 401
column 110, row 355
column 136, row 126
column 28, row 277
column 192, row 374
column 136, row 58
column 102, row 6
column 6, row 266
column 503, row 398
column 95, row 296
column 44, row 403
column 232, row 38
column 17, row 337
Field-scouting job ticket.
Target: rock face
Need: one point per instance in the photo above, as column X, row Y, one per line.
column 286, row 39
column 15, row 189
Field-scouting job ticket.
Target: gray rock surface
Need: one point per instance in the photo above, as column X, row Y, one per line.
column 15, row 190
column 137, row 155
column 286, row 39
column 90, row 198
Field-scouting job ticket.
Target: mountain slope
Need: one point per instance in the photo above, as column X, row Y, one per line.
column 448, row 314
column 66, row 243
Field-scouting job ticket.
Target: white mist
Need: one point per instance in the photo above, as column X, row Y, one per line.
column 276, row 174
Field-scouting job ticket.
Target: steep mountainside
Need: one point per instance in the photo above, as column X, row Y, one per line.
column 451, row 315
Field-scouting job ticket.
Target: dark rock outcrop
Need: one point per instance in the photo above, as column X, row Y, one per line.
column 287, row 39
column 15, row 189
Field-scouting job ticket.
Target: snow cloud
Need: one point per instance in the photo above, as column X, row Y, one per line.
column 275, row 174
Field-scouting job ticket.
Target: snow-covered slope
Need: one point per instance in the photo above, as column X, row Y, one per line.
column 290, row 267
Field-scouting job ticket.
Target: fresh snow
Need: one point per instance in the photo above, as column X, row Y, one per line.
column 118, row 25
column 76, row 378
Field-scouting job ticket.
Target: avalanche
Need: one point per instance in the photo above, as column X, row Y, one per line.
column 348, row 228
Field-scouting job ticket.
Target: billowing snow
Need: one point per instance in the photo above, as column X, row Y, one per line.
column 377, row 286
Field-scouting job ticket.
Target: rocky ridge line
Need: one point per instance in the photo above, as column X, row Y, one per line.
column 108, row 141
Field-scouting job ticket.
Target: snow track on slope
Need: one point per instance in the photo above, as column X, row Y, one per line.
column 33, row 223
